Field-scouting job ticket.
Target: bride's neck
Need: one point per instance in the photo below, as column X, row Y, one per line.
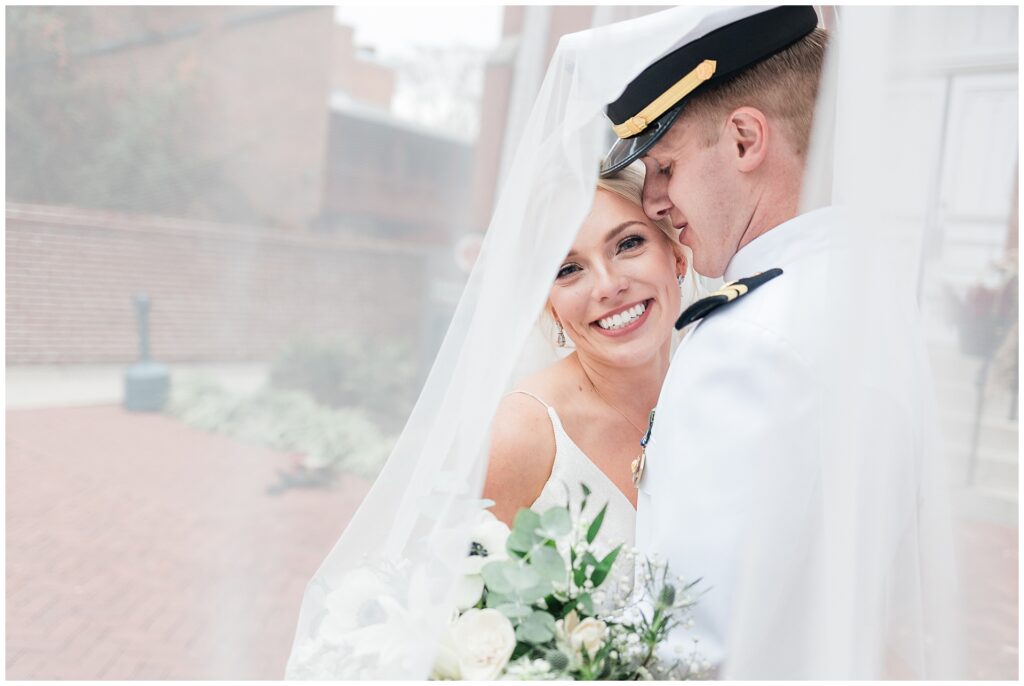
column 633, row 389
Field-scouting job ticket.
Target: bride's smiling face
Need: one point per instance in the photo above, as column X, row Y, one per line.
column 616, row 293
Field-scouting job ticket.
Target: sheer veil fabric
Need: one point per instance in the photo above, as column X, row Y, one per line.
column 413, row 527
column 378, row 605
column 880, row 572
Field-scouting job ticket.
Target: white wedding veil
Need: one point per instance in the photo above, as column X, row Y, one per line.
column 869, row 590
column 377, row 605
column 413, row 527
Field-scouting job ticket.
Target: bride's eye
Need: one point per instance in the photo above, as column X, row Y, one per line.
column 631, row 243
column 567, row 270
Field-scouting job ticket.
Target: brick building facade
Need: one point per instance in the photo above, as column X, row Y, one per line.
column 282, row 232
column 218, row 292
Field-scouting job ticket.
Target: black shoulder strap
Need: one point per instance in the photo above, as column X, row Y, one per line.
column 726, row 294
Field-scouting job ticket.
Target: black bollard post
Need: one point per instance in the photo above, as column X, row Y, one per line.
column 146, row 383
column 142, row 318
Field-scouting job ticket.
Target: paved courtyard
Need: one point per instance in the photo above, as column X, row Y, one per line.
column 139, row 548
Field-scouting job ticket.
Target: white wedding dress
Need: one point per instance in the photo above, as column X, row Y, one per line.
column 572, row 467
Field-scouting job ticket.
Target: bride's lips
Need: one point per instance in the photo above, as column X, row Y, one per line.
column 626, row 329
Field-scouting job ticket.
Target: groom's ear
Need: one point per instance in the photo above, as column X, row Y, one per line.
column 748, row 135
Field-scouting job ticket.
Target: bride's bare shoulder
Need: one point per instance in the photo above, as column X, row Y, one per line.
column 522, row 446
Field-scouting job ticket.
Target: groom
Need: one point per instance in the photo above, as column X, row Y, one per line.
column 722, row 125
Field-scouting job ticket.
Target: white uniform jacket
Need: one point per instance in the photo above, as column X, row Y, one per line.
column 738, row 488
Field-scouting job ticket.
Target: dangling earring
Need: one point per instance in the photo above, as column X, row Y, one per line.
column 561, row 335
column 680, row 278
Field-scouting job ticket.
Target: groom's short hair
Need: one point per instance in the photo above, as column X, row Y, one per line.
column 783, row 86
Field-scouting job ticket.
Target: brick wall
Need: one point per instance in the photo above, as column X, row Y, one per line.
column 217, row 292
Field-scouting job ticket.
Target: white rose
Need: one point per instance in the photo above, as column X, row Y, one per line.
column 588, row 634
column 484, row 641
column 575, row 635
column 563, row 627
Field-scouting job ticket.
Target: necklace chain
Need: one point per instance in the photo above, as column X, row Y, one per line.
column 609, row 404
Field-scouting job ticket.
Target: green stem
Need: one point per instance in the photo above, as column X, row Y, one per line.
column 652, row 638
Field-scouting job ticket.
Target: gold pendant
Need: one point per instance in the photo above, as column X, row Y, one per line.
column 637, row 467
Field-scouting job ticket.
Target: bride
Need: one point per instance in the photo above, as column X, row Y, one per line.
column 614, row 300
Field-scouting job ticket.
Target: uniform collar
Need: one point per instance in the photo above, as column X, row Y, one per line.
column 782, row 244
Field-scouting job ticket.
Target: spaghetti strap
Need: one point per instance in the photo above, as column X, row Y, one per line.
column 546, row 406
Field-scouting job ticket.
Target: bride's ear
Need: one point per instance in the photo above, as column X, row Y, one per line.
column 682, row 260
column 554, row 315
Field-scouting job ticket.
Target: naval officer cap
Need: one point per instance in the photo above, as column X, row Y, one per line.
column 723, row 43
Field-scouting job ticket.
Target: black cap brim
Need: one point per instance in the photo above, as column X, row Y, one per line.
column 627, row 150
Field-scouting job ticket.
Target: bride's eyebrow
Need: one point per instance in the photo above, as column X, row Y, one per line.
column 620, row 228
column 613, row 233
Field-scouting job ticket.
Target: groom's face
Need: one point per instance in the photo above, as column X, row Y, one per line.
column 691, row 181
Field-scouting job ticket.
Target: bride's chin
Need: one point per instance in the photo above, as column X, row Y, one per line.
column 622, row 354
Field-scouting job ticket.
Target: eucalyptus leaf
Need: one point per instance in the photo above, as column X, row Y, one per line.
column 519, row 543
column 538, row 627
column 526, row 520
column 520, row 577
column 534, row 593
column 524, row 532
column 515, row 612
column 555, row 522
column 496, row 577
column 496, row 600
column 549, row 564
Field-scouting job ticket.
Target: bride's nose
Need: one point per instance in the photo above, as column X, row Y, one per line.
column 609, row 282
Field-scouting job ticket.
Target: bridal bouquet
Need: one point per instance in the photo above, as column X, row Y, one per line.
column 540, row 602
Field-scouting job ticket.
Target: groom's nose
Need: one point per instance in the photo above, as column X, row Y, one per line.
column 655, row 197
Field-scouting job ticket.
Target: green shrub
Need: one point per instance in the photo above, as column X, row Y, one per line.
column 338, row 438
column 350, row 372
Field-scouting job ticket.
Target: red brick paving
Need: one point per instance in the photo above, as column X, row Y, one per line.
column 989, row 585
column 139, row 548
